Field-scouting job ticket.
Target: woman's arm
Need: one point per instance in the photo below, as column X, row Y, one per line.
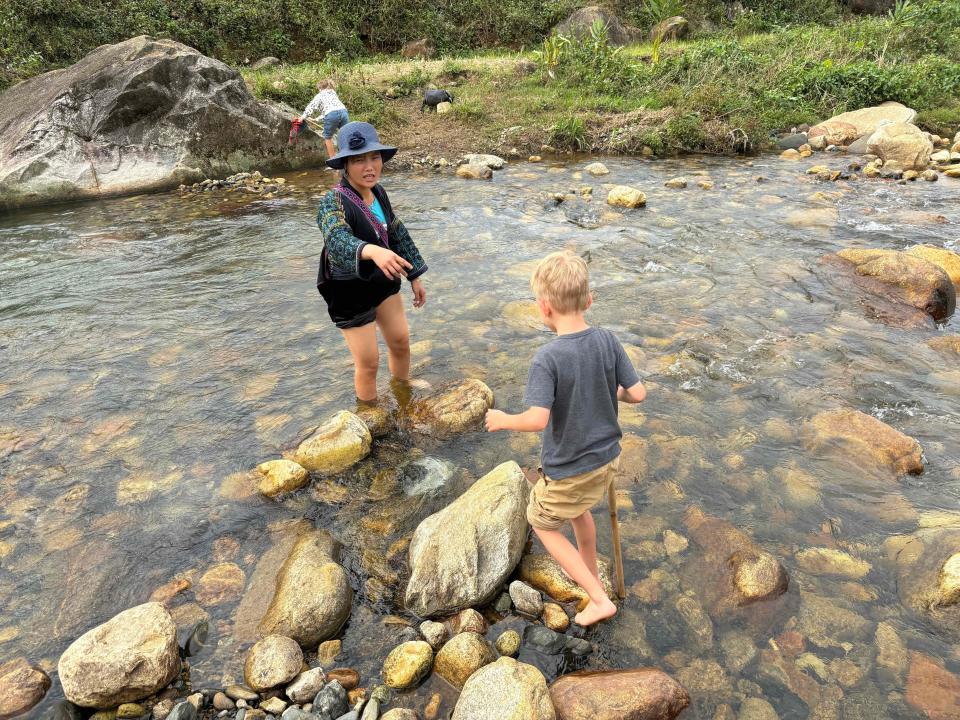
column 407, row 249
column 343, row 247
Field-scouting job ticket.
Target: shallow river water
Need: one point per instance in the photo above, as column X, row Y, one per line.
column 155, row 347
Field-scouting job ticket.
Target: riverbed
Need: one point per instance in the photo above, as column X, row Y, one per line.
column 156, row 347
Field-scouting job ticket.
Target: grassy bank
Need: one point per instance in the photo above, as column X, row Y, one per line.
column 705, row 94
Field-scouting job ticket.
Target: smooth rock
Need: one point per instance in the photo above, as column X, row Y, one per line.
column 928, row 577
column 508, row 643
column 494, row 162
column 864, row 439
column 597, row 169
column 281, row 476
column 526, row 599
column 946, row 260
column 183, row 711
column 338, row 444
column 638, row 694
column 407, row 664
column 378, row 420
column 827, row 561
column 328, row 651
column 828, row 623
column 222, row 702
column 790, row 154
column 932, row 689
column 892, row 654
column 555, row 617
column 474, row 172
column 626, row 196
column 273, row 661
column 461, row 555
column 903, row 143
column 400, row 714
column 313, row 595
column 462, row 656
column 21, row 687
column 505, row 690
column 544, row 639
column 833, row 132
column 306, row 685
column 128, row 658
column 239, row 692
column 757, row 709
column 542, row 572
column 698, row 623
column 678, row 183
column 434, row 633
column 127, row 711
column 866, row 120
column 273, row 706
column 455, row 408
column 222, row 583
column 80, row 132
column 469, row 620
column 332, row 700
column 349, row 679
column 791, row 142
column 444, row 107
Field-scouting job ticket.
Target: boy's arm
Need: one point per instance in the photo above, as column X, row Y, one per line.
column 633, row 394
column 312, row 106
column 533, row 420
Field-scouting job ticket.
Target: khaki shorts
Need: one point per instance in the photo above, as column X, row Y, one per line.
column 553, row 502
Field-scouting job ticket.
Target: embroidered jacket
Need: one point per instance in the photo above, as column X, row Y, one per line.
column 346, row 230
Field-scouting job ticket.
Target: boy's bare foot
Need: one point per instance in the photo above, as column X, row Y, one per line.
column 594, row 613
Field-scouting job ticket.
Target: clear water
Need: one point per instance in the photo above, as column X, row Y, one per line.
column 153, row 347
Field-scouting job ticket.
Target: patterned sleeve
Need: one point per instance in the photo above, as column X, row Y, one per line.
column 404, row 246
column 343, row 247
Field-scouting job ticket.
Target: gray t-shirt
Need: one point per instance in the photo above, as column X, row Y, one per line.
column 576, row 377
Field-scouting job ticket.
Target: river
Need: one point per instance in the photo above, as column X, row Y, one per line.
column 155, row 346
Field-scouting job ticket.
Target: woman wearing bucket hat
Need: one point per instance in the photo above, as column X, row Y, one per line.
column 367, row 252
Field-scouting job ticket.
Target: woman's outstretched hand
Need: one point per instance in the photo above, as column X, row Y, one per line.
column 419, row 293
column 392, row 265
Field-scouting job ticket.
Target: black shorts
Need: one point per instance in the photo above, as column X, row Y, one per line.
column 353, row 303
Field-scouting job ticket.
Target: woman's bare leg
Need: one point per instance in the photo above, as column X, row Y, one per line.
column 392, row 321
column 362, row 342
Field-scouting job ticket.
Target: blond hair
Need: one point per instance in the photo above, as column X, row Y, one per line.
column 326, row 84
column 562, row 279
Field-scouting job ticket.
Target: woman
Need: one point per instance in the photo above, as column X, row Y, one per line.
column 366, row 253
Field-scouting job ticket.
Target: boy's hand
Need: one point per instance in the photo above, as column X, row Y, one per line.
column 496, row 420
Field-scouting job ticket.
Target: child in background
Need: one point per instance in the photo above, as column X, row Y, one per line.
column 332, row 111
column 574, row 384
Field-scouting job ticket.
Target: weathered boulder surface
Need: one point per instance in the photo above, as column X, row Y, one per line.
column 21, row 687
column 626, row 196
column 928, row 577
column 407, row 664
column 462, row 656
column 933, row 689
column 542, row 572
column 313, row 596
column 338, row 444
column 494, row 162
column 896, row 278
column 461, row 555
column 452, row 409
column 638, row 694
column 902, row 143
column 581, row 21
column 867, row 120
column 281, row 476
column 128, row 658
column 946, row 260
column 273, row 661
column 141, row 115
column 835, row 132
column 505, row 690
column 865, row 441
column 730, row 569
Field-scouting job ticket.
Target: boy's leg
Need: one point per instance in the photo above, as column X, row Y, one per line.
column 586, row 534
column 330, row 150
column 362, row 342
column 392, row 321
column 600, row 606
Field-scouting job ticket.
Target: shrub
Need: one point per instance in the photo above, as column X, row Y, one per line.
column 570, row 133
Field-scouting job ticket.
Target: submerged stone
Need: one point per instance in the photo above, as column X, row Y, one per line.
column 618, row 695
column 863, row 439
column 453, row 409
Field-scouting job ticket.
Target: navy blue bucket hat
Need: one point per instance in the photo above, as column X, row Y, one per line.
column 358, row 138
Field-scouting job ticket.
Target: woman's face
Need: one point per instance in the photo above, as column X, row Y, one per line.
column 363, row 171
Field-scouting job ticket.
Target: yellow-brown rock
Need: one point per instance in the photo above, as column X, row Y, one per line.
column 453, row 409
column 946, row 260
column 407, row 664
column 505, row 690
column 641, row 694
column 462, row 656
column 626, row 196
column 542, row 572
column 863, row 439
column 338, row 444
column 281, row 476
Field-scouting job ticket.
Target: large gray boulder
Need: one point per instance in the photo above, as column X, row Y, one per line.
column 581, row 21
column 461, row 555
column 144, row 114
column 128, row 658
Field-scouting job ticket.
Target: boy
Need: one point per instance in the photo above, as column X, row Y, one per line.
column 573, row 387
column 332, row 112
